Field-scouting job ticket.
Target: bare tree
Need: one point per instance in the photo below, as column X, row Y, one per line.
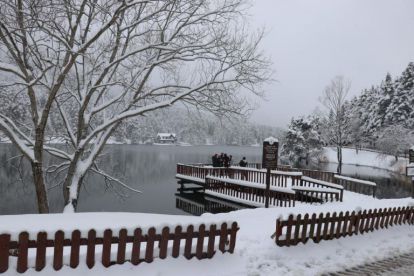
column 86, row 66
column 334, row 100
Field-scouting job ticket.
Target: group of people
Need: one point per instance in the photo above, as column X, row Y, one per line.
column 221, row 160
column 224, row 160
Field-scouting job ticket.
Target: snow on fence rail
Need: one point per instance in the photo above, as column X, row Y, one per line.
column 326, row 227
column 248, row 192
column 315, row 183
column 357, row 185
column 143, row 245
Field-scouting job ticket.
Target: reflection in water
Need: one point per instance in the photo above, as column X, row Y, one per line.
column 389, row 184
column 197, row 204
column 150, row 169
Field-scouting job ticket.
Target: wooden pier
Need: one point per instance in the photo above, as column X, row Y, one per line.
column 287, row 185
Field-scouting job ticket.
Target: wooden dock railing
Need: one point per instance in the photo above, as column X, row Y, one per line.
column 250, row 192
column 315, row 183
column 315, row 227
column 277, row 178
column 357, row 185
column 145, row 246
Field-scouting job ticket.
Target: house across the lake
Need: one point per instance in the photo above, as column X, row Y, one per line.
column 166, row 138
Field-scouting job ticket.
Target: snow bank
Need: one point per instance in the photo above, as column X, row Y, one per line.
column 67, row 222
column 255, row 253
column 365, row 158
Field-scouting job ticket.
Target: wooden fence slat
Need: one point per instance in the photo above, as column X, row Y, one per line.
column 164, row 242
column 223, row 237
column 189, row 242
column 297, row 228
column 41, row 250
column 378, row 218
column 372, row 223
column 23, row 250
column 74, row 250
column 211, row 240
column 289, row 229
column 4, row 252
column 120, row 256
column 90, row 250
column 200, row 241
column 106, row 248
column 312, row 227
column 333, row 223
column 58, row 250
column 136, row 246
column 177, row 241
column 149, row 252
column 304, row 227
column 233, row 233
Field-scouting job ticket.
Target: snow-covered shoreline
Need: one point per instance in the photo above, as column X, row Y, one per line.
column 255, row 253
column 365, row 158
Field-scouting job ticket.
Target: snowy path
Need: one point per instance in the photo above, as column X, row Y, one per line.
column 401, row 265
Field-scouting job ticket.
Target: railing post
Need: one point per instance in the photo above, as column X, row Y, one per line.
column 267, row 188
column 4, row 252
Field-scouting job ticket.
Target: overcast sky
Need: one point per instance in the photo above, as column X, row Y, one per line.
column 311, row 41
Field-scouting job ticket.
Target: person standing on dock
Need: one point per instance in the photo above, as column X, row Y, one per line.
column 214, row 160
column 243, row 164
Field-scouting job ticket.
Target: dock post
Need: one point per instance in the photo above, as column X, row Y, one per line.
column 267, row 187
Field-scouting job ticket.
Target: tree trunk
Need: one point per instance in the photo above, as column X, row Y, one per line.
column 70, row 178
column 41, row 193
column 339, row 155
column 37, row 169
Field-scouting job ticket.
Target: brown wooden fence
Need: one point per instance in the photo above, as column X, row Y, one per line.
column 253, row 194
column 180, row 239
column 326, row 226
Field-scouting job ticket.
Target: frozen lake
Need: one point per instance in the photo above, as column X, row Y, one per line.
column 150, row 169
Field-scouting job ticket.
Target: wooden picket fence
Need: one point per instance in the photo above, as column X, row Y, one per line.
column 326, row 227
column 141, row 243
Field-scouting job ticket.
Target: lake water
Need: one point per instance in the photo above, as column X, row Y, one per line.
column 150, row 169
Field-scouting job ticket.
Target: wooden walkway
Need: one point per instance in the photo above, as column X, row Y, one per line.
column 241, row 184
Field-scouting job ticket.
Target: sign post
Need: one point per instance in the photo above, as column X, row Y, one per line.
column 410, row 168
column 269, row 162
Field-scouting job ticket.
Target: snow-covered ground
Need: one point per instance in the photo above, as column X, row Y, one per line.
column 365, row 158
column 255, row 254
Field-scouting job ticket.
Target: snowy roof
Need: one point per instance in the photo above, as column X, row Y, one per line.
column 166, row 134
column 271, row 140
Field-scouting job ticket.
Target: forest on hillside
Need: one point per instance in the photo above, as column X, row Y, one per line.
column 380, row 118
column 196, row 128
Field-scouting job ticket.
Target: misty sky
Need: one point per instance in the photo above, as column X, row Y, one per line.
column 311, row 41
